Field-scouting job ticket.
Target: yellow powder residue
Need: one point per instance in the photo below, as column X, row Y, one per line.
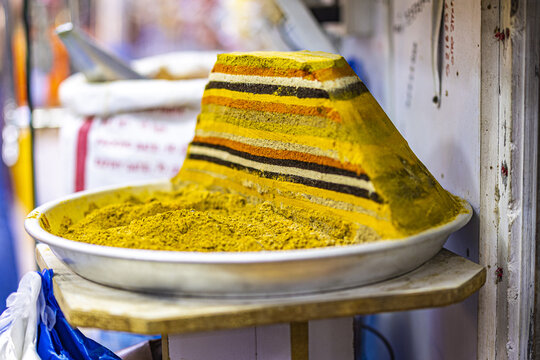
column 416, row 200
column 196, row 219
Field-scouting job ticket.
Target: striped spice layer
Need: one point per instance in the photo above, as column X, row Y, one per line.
column 340, row 89
column 273, row 144
column 210, row 174
column 284, row 81
column 301, row 129
column 308, row 156
column 320, row 75
column 301, row 172
column 274, row 107
column 310, row 198
column 299, row 92
column 344, row 93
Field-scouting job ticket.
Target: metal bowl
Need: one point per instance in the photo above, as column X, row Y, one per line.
column 229, row 274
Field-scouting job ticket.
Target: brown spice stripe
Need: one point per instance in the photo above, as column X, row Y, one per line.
column 341, row 188
column 299, row 92
column 273, row 107
column 330, row 73
column 280, row 154
column 285, row 162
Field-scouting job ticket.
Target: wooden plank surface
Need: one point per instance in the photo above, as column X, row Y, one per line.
column 444, row 280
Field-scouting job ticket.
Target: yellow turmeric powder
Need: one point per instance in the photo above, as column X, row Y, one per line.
column 196, row 219
column 316, row 159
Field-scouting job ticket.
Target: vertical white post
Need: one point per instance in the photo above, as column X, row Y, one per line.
column 509, row 158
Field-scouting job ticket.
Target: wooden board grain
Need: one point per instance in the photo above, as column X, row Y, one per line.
column 444, row 280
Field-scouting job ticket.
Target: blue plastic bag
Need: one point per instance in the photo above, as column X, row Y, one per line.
column 56, row 339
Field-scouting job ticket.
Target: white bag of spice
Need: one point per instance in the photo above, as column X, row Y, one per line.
column 125, row 131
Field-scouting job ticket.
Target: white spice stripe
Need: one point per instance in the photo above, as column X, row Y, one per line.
column 329, row 85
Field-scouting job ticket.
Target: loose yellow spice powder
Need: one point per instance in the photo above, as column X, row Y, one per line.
column 291, row 151
column 197, row 219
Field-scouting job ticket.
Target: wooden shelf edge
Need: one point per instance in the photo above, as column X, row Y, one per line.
column 297, row 311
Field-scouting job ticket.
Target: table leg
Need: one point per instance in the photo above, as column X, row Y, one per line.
column 299, row 340
column 165, row 347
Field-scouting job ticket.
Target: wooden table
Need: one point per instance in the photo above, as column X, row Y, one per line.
column 444, row 280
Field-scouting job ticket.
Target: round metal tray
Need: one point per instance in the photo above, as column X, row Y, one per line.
column 226, row 274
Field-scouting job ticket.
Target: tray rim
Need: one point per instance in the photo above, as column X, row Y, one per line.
column 33, row 228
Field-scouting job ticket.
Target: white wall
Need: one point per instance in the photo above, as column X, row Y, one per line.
column 447, row 141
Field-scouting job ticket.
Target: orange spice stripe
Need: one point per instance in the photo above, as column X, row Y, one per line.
column 331, row 73
column 321, row 111
column 280, row 154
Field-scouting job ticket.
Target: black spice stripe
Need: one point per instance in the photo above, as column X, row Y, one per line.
column 347, row 92
column 304, row 165
column 345, row 189
column 299, row 92
column 350, row 91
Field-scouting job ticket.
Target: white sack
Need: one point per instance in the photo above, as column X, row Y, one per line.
column 108, row 98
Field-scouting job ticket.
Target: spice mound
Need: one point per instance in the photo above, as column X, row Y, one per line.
column 308, row 157
column 302, row 128
column 197, row 219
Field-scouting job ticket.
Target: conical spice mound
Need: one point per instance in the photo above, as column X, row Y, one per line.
column 301, row 129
